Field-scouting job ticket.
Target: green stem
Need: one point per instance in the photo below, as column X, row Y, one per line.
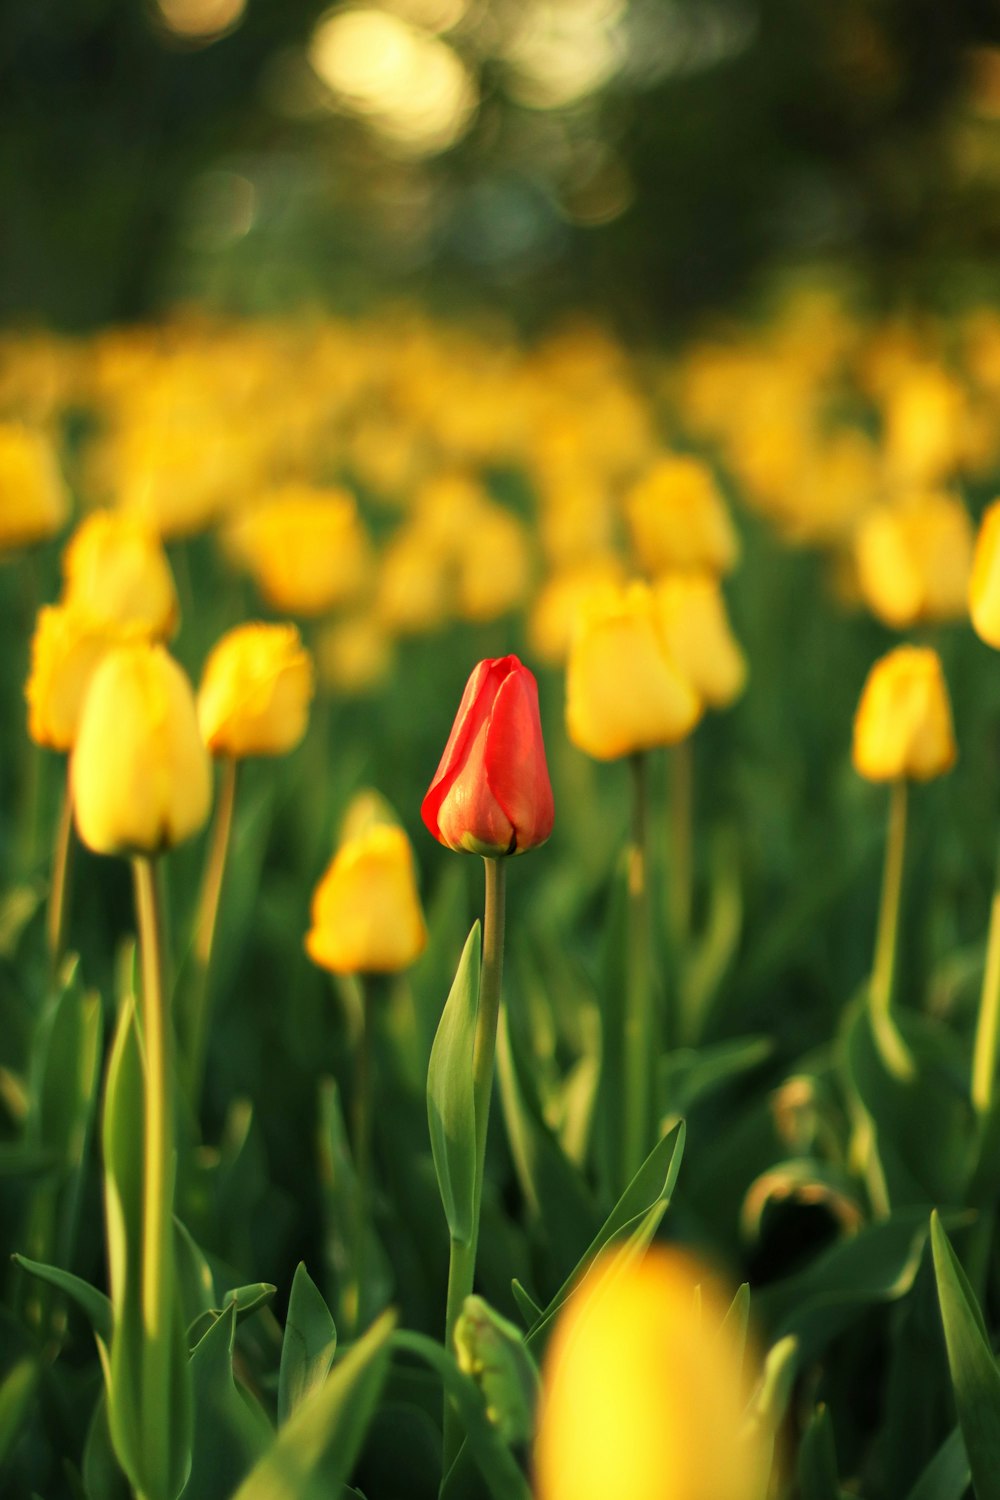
column 895, row 1053
column 158, row 1167
column 361, row 1121
column 681, row 843
column 57, row 913
column 206, row 923
column 984, row 1057
column 462, row 1259
column 638, row 991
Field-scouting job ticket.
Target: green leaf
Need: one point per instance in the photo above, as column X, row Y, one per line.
column 633, row 1220
column 245, row 1299
column 689, row 1075
column 16, row 1395
column 309, row 1344
column 974, row 1373
column 496, row 1463
column 526, row 1305
column 451, row 1112
column 102, row 1474
column 230, row 1434
column 316, row 1449
column 735, row 1324
column 95, row 1306
column 947, row 1476
column 817, row 1462
column 770, row 1400
column 195, row 1282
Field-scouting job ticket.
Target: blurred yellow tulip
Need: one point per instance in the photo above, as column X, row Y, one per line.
column 903, row 726
column 691, row 616
column 643, row 1393
column 34, row 503
column 984, row 585
column 140, row 774
column 304, row 547
column 914, row 559
column 623, row 691
column 366, row 913
column 563, row 599
column 493, row 564
column 67, row 646
column 354, row 655
column 678, row 519
column 255, row 691
column 115, row 568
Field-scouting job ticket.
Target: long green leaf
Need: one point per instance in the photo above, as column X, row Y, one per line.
column 817, row 1462
column 451, row 1112
column 947, row 1475
column 974, row 1373
column 316, row 1449
column 230, row 1434
column 17, row 1392
column 308, row 1346
column 92, row 1303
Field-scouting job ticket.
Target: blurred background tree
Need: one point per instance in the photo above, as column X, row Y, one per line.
column 645, row 158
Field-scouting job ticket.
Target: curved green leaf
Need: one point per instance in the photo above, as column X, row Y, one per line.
column 451, row 1111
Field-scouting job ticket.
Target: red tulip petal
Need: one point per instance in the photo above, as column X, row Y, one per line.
column 472, row 711
column 470, row 817
column 515, row 758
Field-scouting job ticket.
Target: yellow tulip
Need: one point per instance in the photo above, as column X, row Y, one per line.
column 903, row 725
column 914, row 560
column 355, row 655
column 366, row 914
column 255, row 691
column 642, row 1390
column 67, row 646
column 115, row 568
column 925, row 410
column 984, row 585
column 141, row 776
column 305, row 548
column 563, row 599
column 415, row 588
column 33, row 499
column 623, row 692
column 692, row 619
column 678, row 519
column 493, row 564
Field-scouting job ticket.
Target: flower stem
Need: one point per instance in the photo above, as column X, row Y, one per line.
column 361, row 1121
column 462, row 1260
column 57, row 913
column 984, row 1056
column 206, row 921
column 680, row 844
column 895, row 1053
column 158, row 1164
column 638, row 992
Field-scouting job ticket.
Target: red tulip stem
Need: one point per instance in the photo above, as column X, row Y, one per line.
column 462, row 1264
column 199, row 1005
column 57, row 912
column 895, row 1053
column 638, row 993
column 158, row 1161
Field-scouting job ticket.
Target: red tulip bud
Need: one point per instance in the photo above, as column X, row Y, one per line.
column 491, row 793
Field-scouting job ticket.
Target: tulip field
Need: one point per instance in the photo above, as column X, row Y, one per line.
column 346, row 1152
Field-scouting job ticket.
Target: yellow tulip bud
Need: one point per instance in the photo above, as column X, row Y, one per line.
column 914, row 560
column 33, row 499
column 984, row 586
column 623, row 692
column 691, row 614
column 642, row 1390
column 903, row 725
column 493, row 564
column 563, row 599
column 115, row 568
column 66, row 649
column 678, row 519
column 255, row 691
column 366, row 914
column 355, row 655
column 305, row 549
column 415, row 587
column 141, row 776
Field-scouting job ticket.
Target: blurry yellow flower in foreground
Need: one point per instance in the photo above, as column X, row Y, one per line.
column 914, row 559
column 255, row 691
column 354, row 655
column 33, row 499
column 643, row 1396
column 115, row 568
column 903, row 725
column 984, row 586
column 623, row 692
column 140, row 774
column 366, row 913
column 678, row 519
column 691, row 615
column 67, row 646
column 305, row 548
column 563, row 598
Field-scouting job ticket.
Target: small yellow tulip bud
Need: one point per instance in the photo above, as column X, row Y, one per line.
column 66, row 649
column 914, row 559
column 691, row 614
column 642, row 1390
column 33, row 499
column 903, row 725
column 366, row 914
column 140, row 774
column 255, row 691
column 678, row 519
column 984, row 586
column 115, row 568
column 623, row 692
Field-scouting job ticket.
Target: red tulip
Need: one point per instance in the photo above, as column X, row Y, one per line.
column 491, row 793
